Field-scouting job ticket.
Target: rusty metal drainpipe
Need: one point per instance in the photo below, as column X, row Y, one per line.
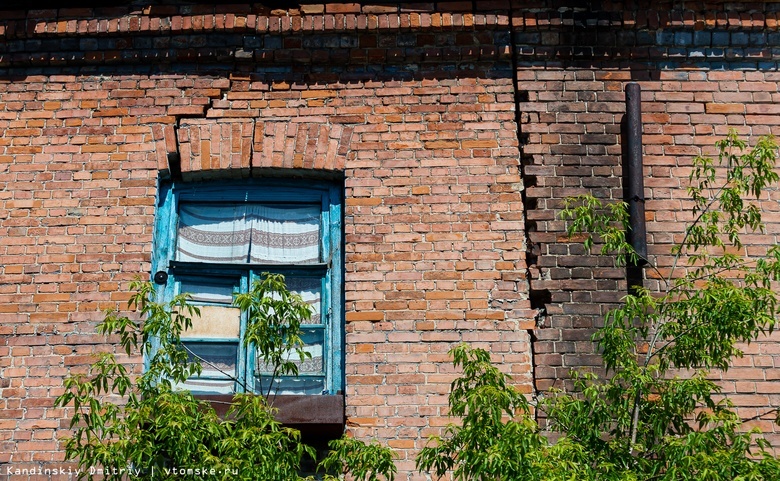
column 635, row 185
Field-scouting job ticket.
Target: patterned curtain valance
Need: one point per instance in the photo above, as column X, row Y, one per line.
column 249, row 233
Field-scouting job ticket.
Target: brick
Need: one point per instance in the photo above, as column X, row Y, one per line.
column 442, row 144
column 364, row 316
column 379, row 9
column 714, row 108
column 342, row 8
column 312, row 9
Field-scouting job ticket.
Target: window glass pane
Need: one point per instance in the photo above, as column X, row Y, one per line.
column 208, row 386
column 215, row 322
column 285, row 234
column 310, row 288
column 314, row 339
column 287, row 385
column 213, row 233
column 218, row 360
column 203, row 291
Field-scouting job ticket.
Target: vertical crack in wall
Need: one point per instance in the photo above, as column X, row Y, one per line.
column 538, row 299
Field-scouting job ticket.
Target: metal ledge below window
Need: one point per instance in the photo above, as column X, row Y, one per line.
column 298, row 410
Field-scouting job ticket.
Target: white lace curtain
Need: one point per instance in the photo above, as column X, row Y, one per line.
column 248, row 233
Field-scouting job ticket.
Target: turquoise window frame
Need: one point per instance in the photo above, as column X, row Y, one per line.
column 330, row 268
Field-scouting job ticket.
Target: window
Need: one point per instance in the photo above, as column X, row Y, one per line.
column 215, row 239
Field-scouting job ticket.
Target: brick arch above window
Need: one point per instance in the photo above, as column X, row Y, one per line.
column 209, row 145
column 300, row 145
column 232, row 148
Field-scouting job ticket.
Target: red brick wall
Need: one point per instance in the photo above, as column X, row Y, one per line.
column 415, row 104
column 422, row 126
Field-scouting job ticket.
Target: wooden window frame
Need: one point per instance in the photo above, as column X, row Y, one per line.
column 296, row 409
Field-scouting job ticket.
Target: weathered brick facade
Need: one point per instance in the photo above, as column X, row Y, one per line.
column 703, row 70
column 457, row 127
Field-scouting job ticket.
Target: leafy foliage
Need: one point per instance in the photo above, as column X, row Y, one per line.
column 641, row 422
column 159, row 431
column 364, row 462
column 589, row 214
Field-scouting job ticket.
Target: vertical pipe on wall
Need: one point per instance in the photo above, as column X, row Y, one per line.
column 634, row 187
